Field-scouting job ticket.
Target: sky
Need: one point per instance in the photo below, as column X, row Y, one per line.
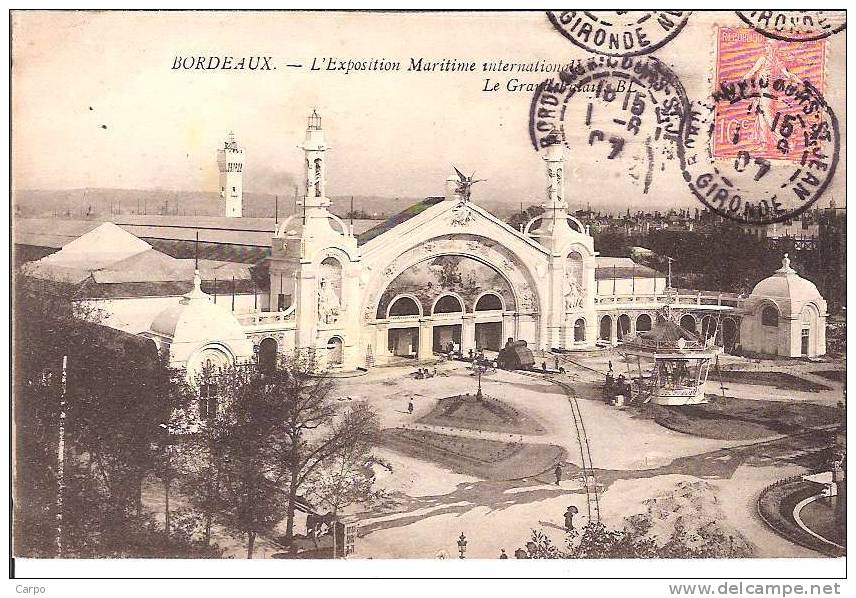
column 391, row 133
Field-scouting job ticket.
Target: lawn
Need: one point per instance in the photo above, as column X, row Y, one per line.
column 779, row 380
column 776, row 507
column 486, row 459
column 834, row 375
column 744, row 419
column 468, row 412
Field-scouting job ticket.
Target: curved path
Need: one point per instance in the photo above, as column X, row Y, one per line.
column 799, row 507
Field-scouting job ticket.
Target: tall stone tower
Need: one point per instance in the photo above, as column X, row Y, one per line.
column 230, row 161
column 572, row 261
column 314, row 264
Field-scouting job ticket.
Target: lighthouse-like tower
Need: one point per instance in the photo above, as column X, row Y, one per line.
column 571, row 269
column 230, row 162
column 314, row 265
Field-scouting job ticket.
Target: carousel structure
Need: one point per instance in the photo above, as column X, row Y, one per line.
column 672, row 362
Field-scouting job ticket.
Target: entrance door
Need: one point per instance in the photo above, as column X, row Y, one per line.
column 446, row 336
column 489, row 336
column 404, row 342
column 804, row 339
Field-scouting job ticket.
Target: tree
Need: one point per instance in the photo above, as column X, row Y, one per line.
column 596, row 541
column 114, row 392
column 247, row 490
column 315, row 430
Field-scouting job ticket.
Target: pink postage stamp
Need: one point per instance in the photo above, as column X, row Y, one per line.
column 753, row 115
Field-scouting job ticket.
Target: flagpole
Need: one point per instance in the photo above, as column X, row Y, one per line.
column 233, row 292
column 60, row 495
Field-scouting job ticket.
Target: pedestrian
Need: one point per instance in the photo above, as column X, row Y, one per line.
column 558, row 472
column 544, row 365
column 410, row 407
column 502, row 554
column 556, row 361
column 569, row 518
column 610, row 365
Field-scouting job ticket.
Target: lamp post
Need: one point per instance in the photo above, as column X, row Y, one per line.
column 480, row 369
column 462, row 545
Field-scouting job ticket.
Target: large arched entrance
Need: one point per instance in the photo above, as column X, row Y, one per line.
column 623, row 326
column 643, row 323
column 403, row 314
column 605, row 328
column 448, row 312
column 447, row 303
column 688, row 323
column 488, row 313
column 267, row 355
column 729, row 333
column 709, row 327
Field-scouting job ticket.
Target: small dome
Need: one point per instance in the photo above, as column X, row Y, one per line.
column 786, row 284
column 197, row 319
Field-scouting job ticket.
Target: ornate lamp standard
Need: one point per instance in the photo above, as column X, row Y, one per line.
column 462, row 545
column 480, row 369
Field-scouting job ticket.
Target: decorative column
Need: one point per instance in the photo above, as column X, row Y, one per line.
column 468, row 333
column 426, row 340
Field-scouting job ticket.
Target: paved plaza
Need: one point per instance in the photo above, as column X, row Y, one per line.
column 634, row 459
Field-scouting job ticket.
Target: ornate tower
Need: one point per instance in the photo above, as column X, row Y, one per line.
column 315, row 150
column 314, row 265
column 571, row 320
column 230, row 161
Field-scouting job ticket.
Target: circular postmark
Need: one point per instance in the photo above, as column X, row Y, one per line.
column 769, row 164
column 795, row 25
column 620, row 117
column 619, row 32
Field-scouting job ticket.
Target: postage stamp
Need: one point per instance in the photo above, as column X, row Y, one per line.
column 775, row 175
column 619, row 32
column 795, row 25
column 745, row 57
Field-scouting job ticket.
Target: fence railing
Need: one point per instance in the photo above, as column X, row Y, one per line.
column 262, row 318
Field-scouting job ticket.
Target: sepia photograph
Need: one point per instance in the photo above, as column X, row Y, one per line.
column 338, row 291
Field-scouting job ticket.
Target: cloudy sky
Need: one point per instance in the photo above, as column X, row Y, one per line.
column 393, row 134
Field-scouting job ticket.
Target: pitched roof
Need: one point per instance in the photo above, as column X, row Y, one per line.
column 607, row 268
column 403, row 216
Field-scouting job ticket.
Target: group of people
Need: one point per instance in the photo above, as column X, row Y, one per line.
column 617, row 387
column 423, row 373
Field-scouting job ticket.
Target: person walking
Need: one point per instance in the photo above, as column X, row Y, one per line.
column 569, row 518
column 410, row 407
column 558, row 472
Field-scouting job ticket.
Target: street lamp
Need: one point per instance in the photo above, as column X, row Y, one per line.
column 462, row 544
column 480, row 369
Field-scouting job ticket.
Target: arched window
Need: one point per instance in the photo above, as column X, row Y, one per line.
column 623, row 325
column 317, row 177
column 729, row 333
column 770, row 316
column 404, row 306
column 643, row 323
column 448, row 304
column 708, row 327
column 267, row 355
column 488, row 302
column 688, row 323
column 334, row 351
column 606, row 328
column 579, row 331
